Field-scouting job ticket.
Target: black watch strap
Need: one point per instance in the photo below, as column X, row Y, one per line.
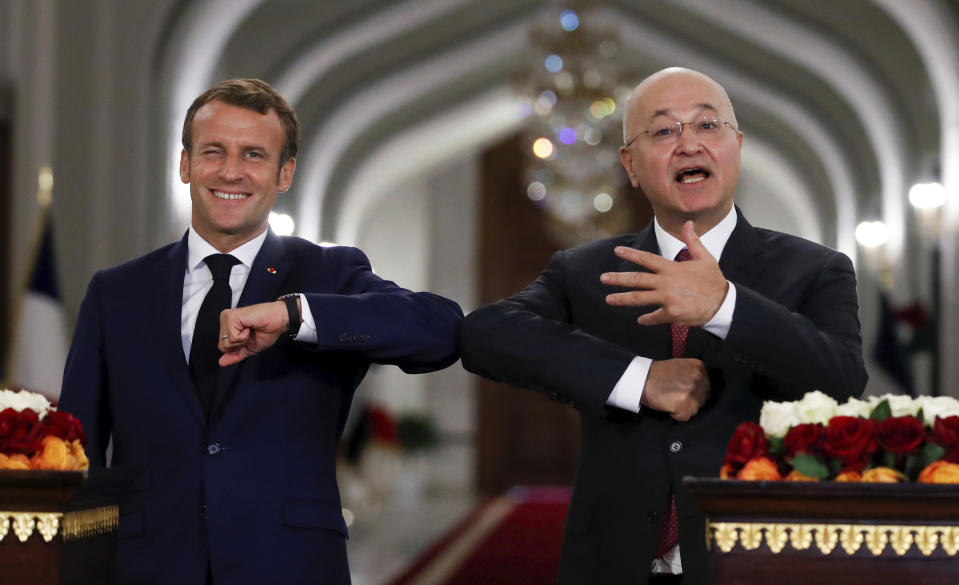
column 294, row 313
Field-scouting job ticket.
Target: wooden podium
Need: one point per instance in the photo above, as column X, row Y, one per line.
column 58, row 527
column 810, row 533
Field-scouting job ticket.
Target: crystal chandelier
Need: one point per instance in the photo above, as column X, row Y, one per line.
column 574, row 124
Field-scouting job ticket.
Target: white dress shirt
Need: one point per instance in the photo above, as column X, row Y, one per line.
column 629, row 389
column 198, row 281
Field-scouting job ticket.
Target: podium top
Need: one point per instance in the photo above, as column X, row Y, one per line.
column 826, row 501
column 58, row 491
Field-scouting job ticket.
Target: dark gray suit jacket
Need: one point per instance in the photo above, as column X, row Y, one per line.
column 795, row 329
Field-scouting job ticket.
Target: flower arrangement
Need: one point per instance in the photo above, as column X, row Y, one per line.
column 886, row 439
column 34, row 435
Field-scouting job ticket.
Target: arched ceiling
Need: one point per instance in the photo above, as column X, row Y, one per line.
column 836, row 95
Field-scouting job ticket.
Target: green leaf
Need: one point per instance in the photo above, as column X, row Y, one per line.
column 931, row 452
column 810, row 466
column 776, row 445
column 921, row 416
column 888, row 459
column 913, row 467
column 835, row 466
column 882, row 411
column 417, row 433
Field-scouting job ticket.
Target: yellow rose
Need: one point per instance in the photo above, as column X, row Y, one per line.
column 883, row 475
column 78, row 456
column 940, row 472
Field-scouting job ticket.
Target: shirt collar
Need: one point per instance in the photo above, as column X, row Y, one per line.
column 714, row 240
column 198, row 249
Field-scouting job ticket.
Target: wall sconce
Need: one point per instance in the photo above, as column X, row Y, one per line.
column 281, row 223
column 872, row 235
column 926, row 200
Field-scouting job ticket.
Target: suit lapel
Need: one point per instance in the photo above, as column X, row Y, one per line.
column 738, row 263
column 168, row 298
column 270, row 270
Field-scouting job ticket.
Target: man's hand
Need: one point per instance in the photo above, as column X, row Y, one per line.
column 678, row 386
column 246, row 331
column 688, row 293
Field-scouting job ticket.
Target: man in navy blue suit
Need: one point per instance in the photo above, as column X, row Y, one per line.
column 234, row 456
column 666, row 339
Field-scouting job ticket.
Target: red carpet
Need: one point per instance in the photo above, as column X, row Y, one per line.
column 515, row 538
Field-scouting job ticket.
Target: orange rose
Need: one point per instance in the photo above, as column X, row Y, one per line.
column 53, row 455
column 727, row 472
column 758, row 469
column 849, row 476
column 796, row 476
column 15, row 461
column 883, row 475
column 61, row 455
column 940, row 472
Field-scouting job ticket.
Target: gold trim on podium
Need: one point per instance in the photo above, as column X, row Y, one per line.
column 75, row 525
column 87, row 523
column 849, row 537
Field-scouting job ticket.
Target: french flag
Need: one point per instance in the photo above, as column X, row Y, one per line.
column 39, row 342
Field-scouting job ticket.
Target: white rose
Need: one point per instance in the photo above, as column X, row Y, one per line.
column 816, row 407
column 941, row 406
column 899, row 404
column 855, row 407
column 776, row 418
column 19, row 401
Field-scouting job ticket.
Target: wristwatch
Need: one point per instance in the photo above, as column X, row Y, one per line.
column 293, row 310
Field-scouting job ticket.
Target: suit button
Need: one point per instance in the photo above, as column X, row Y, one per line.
column 676, row 446
column 213, row 448
column 203, row 515
column 554, row 395
column 653, row 517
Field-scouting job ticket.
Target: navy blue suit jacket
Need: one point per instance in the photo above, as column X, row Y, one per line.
column 252, row 493
column 795, row 329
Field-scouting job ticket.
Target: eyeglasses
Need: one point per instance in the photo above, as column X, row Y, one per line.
column 667, row 132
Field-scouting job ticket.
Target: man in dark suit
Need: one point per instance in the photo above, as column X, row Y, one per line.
column 663, row 357
column 234, row 462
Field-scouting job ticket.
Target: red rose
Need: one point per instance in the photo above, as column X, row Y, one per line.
column 382, row 425
column 945, row 433
column 901, row 434
column 852, row 440
column 64, row 426
column 20, row 432
column 804, row 438
column 748, row 442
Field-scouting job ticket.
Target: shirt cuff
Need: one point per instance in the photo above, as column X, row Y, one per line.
column 628, row 391
column 307, row 332
column 720, row 323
